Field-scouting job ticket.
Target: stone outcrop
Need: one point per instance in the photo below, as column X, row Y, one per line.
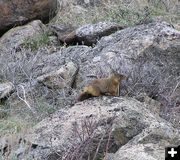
column 15, row 37
column 87, row 34
column 18, row 12
column 13, row 142
column 143, row 53
column 91, row 33
column 129, row 123
column 63, row 77
column 148, row 151
column 147, row 54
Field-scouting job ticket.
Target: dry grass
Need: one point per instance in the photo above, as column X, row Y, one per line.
column 13, row 125
column 124, row 13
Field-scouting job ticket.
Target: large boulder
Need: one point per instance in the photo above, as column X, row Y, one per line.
column 91, row 33
column 78, row 131
column 61, row 78
column 149, row 151
column 147, row 54
column 86, row 34
column 144, row 53
column 18, row 12
column 48, row 80
column 15, row 37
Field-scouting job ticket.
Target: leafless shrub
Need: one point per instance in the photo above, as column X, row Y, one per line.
column 94, row 140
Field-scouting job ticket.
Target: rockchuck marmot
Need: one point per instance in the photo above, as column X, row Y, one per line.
column 103, row 86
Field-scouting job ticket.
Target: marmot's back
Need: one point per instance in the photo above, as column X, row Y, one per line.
column 102, row 86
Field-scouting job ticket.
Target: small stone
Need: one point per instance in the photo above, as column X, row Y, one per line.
column 5, row 89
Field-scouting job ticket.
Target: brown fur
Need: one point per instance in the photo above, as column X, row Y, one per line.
column 103, row 86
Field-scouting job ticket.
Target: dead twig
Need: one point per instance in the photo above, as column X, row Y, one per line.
column 24, row 98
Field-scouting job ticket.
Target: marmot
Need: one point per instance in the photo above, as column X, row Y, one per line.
column 103, row 86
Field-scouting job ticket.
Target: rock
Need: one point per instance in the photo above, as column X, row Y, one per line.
column 14, row 145
column 15, row 37
column 15, row 13
column 6, row 89
column 109, row 156
column 88, row 3
column 34, row 65
column 126, row 117
column 172, row 115
column 144, row 54
column 65, row 34
column 91, row 33
column 148, row 151
column 63, row 77
column 153, row 105
column 38, row 63
column 149, row 144
column 87, row 34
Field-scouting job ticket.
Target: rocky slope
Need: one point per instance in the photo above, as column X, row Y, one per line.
column 42, row 84
column 115, row 127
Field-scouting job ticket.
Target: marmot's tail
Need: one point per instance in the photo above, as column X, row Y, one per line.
column 84, row 96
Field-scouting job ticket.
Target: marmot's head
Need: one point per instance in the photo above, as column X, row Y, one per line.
column 118, row 77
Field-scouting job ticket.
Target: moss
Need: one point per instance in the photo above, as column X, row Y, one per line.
column 37, row 42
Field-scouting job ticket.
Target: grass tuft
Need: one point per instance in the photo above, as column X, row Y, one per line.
column 36, row 42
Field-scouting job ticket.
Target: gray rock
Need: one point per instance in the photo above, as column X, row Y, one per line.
column 25, row 70
column 6, row 89
column 173, row 116
column 144, row 54
column 88, row 3
column 15, row 146
column 153, row 105
column 91, row 33
column 109, row 156
column 131, row 123
column 18, row 35
column 63, row 77
column 149, row 151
